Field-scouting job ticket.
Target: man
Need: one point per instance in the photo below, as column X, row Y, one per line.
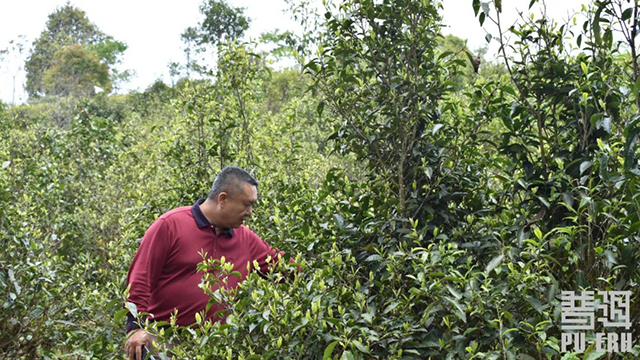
column 163, row 274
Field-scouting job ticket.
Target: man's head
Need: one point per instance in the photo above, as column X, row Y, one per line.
column 233, row 193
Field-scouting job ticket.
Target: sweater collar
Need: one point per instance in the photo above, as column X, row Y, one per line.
column 202, row 221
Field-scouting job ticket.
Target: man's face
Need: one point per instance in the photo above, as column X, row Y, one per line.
column 238, row 208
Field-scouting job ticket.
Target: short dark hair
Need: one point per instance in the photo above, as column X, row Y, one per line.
column 230, row 180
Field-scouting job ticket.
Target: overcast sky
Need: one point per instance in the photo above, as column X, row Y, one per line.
column 152, row 29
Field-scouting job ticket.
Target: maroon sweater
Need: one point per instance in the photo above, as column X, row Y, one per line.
column 163, row 274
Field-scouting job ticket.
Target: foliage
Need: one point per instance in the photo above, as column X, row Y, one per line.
column 67, row 26
column 222, row 22
column 457, row 47
column 75, row 72
column 382, row 82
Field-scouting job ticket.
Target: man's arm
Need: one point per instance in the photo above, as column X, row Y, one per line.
column 144, row 272
column 147, row 265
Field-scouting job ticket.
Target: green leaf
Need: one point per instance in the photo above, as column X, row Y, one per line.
column 602, row 170
column 368, row 317
column 132, row 308
column 599, row 121
column 538, row 233
column 374, row 257
column 584, row 166
column 445, row 54
column 567, row 197
column 469, row 56
column 329, row 350
column 119, row 315
column 485, row 7
column 361, row 347
column 509, row 90
column 347, row 355
column 535, row 303
column 454, row 292
column 65, row 322
column 461, row 314
column 583, row 201
column 436, row 127
column 611, row 257
column 595, row 355
column 544, row 201
column 253, row 326
column 494, row 263
column 584, row 67
column 632, row 124
column 594, row 118
column 630, row 162
column 17, row 287
column 15, row 283
column 428, row 171
column 6, row 164
column 391, row 306
column 320, row 108
column 596, row 24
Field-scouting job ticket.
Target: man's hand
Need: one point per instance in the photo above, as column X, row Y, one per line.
column 134, row 344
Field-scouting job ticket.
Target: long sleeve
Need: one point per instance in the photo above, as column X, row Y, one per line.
column 147, row 265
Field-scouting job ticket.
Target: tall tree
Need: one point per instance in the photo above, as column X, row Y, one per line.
column 221, row 22
column 66, row 26
column 382, row 77
column 75, row 71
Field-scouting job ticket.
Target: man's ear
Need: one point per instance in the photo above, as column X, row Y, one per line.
column 222, row 198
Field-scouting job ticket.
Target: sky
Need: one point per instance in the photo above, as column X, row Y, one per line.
column 152, row 29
